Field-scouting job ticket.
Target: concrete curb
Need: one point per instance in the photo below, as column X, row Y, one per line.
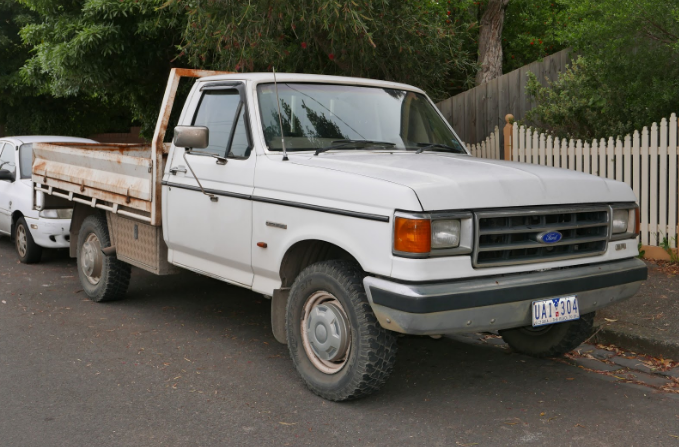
column 635, row 342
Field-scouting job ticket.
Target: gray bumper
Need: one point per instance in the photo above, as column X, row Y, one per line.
column 497, row 302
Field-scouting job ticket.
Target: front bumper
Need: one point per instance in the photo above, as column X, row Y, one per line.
column 497, row 302
column 50, row 233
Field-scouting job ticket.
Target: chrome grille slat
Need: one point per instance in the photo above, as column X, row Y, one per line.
column 539, row 245
column 509, row 237
column 527, row 229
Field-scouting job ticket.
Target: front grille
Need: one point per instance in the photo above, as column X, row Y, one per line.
column 510, row 237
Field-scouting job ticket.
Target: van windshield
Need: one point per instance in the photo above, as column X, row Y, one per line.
column 345, row 117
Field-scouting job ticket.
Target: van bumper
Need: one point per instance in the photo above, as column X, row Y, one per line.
column 498, row 302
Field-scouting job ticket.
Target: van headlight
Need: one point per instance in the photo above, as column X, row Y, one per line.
column 62, row 213
column 424, row 235
column 625, row 221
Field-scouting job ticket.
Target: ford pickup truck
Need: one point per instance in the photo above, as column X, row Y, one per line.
column 352, row 205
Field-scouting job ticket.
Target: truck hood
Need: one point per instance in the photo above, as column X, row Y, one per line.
column 450, row 181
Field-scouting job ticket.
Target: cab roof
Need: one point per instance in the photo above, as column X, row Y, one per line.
column 311, row 78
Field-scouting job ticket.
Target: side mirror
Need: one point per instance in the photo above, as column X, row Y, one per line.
column 194, row 137
column 6, row 175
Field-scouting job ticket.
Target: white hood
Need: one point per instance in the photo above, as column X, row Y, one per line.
column 449, row 181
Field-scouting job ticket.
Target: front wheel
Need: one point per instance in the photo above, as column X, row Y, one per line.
column 104, row 278
column 335, row 340
column 550, row 341
column 29, row 252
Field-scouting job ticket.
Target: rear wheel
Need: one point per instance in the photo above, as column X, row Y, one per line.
column 552, row 340
column 29, row 252
column 104, row 278
column 335, row 340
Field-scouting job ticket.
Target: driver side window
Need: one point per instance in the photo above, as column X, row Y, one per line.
column 223, row 113
column 7, row 158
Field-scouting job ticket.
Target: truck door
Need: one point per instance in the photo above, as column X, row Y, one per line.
column 7, row 162
column 212, row 235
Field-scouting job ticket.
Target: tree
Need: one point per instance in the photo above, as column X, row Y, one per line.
column 490, row 46
column 421, row 43
column 27, row 110
column 116, row 52
column 532, row 30
column 627, row 76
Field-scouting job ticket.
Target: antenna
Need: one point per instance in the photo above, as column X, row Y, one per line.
column 278, row 105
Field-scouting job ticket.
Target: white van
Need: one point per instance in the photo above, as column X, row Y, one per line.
column 30, row 229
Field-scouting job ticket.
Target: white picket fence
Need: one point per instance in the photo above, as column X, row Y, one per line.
column 489, row 148
column 648, row 162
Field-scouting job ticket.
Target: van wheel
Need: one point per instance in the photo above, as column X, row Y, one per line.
column 29, row 252
column 104, row 278
column 550, row 341
column 334, row 339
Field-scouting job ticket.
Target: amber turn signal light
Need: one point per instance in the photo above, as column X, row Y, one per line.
column 412, row 235
column 637, row 221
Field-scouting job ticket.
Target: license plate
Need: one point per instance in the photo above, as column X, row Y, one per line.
column 554, row 310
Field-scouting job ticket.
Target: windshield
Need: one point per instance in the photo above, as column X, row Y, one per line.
column 26, row 160
column 318, row 116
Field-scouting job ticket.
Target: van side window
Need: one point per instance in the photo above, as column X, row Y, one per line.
column 218, row 111
column 7, row 158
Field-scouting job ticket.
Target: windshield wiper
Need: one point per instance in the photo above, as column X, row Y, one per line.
column 425, row 146
column 343, row 143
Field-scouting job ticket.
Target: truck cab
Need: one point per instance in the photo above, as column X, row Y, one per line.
column 352, row 205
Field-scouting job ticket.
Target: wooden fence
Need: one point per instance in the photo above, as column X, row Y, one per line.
column 647, row 162
column 474, row 113
column 489, row 148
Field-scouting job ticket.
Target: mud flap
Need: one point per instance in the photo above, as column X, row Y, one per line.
column 279, row 303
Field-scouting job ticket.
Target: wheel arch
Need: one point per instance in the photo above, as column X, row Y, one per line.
column 80, row 213
column 306, row 252
column 16, row 215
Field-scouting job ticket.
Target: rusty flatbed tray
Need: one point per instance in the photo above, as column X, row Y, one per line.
column 115, row 174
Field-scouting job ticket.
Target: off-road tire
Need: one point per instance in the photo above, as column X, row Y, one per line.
column 373, row 349
column 33, row 251
column 553, row 341
column 115, row 274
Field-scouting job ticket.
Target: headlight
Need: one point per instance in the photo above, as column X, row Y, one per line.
column 620, row 221
column 422, row 235
column 64, row 213
column 625, row 221
column 446, row 233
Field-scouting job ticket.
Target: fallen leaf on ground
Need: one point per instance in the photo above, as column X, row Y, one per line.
column 287, row 423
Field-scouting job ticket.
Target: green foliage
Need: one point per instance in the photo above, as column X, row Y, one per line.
column 426, row 44
column 627, row 74
column 115, row 51
column 25, row 109
column 641, row 252
column 532, row 30
column 666, row 245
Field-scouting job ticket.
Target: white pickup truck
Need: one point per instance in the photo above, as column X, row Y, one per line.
column 352, row 204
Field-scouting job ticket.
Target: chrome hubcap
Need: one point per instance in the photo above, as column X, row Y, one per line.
column 22, row 240
column 91, row 258
column 325, row 332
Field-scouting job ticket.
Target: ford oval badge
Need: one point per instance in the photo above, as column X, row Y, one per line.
column 549, row 237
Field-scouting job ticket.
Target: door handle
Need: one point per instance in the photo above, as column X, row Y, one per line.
column 175, row 169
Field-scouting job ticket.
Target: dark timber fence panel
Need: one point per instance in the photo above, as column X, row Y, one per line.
column 474, row 113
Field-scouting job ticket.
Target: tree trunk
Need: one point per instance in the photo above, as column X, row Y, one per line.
column 490, row 47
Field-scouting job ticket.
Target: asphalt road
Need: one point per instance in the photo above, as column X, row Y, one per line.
column 190, row 361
